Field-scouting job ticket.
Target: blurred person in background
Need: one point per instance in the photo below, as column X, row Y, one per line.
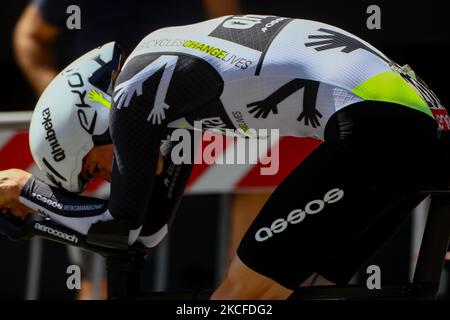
column 43, row 24
column 43, row 44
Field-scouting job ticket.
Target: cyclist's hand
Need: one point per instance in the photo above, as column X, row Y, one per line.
column 11, row 183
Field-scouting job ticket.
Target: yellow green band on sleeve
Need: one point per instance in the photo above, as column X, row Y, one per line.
column 389, row 86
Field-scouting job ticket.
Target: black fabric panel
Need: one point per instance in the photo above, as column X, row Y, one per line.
column 61, row 202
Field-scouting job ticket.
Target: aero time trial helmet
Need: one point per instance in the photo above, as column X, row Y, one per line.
column 72, row 116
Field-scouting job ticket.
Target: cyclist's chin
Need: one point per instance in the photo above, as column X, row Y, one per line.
column 100, row 179
column 106, row 176
column 92, row 184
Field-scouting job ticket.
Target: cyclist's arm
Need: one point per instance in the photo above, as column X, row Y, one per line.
column 166, row 197
column 71, row 210
column 137, row 143
column 152, row 91
column 79, row 213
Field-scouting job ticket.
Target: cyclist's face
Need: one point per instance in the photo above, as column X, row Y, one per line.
column 98, row 163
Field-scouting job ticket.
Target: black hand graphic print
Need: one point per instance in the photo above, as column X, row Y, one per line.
column 310, row 113
column 269, row 105
column 333, row 40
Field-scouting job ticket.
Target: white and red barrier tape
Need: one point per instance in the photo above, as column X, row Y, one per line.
column 214, row 178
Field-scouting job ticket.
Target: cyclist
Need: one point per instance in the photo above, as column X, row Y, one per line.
column 381, row 128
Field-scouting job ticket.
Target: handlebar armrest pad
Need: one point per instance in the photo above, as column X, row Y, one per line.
column 111, row 234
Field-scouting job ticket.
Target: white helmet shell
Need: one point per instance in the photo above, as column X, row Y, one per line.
column 72, row 115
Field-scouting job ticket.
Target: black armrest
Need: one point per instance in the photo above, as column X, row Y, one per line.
column 110, row 234
column 12, row 227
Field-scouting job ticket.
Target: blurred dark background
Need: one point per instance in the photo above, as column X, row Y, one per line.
column 411, row 32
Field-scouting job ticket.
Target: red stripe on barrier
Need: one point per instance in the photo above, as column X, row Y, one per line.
column 292, row 151
column 197, row 169
column 16, row 153
column 200, row 168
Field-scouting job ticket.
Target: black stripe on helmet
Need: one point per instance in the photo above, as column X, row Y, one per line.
column 49, row 167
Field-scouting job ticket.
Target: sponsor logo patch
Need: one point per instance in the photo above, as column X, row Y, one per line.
column 298, row 215
column 58, row 153
column 54, row 232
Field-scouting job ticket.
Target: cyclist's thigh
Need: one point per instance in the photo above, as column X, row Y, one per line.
column 373, row 157
column 349, row 260
column 320, row 208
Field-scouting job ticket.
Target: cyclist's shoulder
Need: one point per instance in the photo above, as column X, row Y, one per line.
column 171, row 37
column 241, row 46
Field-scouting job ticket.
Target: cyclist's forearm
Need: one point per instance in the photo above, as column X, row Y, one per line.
column 73, row 211
column 166, row 197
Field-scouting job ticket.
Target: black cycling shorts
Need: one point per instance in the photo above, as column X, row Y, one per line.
column 348, row 197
